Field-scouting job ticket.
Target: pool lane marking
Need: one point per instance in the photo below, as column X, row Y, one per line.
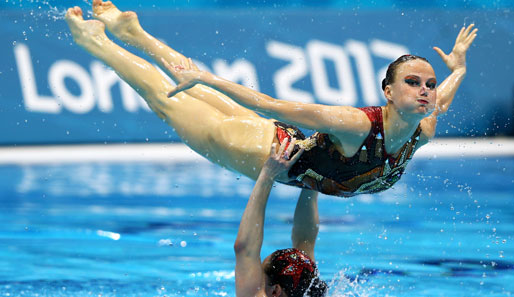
column 116, row 153
column 467, row 147
column 180, row 153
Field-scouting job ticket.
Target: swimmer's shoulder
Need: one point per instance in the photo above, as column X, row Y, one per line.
column 351, row 121
column 354, row 129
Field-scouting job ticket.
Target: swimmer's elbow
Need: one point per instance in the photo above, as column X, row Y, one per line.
column 442, row 109
column 240, row 246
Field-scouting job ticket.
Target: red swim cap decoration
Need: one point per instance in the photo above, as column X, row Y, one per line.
column 297, row 262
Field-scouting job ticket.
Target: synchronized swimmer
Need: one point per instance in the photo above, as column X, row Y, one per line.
column 354, row 151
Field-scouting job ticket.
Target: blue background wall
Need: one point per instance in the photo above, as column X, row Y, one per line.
column 51, row 91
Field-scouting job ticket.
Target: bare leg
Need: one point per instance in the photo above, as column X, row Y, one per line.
column 125, row 26
column 236, row 142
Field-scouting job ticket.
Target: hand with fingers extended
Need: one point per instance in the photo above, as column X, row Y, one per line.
column 456, row 60
column 187, row 74
column 281, row 160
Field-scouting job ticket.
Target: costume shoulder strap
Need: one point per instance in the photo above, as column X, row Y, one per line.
column 408, row 149
column 374, row 114
column 413, row 142
column 374, row 140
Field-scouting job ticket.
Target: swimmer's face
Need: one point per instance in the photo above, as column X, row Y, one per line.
column 414, row 89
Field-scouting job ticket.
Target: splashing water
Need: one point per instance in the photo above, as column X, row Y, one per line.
column 342, row 286
column 40, row 16
column 47, row 10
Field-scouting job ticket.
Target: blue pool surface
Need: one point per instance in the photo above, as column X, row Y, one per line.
column 167, row 229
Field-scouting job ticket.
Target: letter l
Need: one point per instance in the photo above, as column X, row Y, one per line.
column 33, row 102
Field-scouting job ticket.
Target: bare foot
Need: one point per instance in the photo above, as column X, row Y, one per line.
column 88, row 34
column 124, row 25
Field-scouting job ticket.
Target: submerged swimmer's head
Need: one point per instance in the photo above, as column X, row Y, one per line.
column 294, row 272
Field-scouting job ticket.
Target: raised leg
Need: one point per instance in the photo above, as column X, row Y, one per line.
column 236, row 142
column 125, row 26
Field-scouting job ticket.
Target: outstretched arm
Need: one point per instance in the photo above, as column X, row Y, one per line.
column 323, row 118
column 249, row 273
column 456, row 62
column 306, row 222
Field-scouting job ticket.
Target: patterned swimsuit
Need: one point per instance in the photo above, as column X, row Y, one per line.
column 322, row 168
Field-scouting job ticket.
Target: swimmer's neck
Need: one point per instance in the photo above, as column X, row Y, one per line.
column 398, row 127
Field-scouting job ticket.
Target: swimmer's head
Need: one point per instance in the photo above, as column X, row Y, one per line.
column 411, row 86
column 293, row 272
column 391, row 70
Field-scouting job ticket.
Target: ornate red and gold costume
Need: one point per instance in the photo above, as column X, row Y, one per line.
column 324, row 169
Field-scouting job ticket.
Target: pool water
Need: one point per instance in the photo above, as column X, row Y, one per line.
column 167, row 229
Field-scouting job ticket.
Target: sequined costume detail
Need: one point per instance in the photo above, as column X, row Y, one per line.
column 323, row 168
